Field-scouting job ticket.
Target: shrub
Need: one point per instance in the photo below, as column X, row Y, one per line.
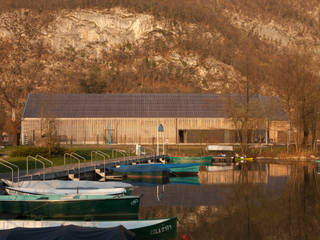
column 33, row 151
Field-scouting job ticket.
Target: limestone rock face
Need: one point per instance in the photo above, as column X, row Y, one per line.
column 98, row 30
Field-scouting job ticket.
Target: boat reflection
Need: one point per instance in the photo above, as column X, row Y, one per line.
column 147, row 182
column 185, row 180
column 234, row 176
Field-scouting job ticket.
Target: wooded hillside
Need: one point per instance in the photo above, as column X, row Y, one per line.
column 248, row 46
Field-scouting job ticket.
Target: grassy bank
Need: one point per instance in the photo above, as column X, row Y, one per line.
column 18, row 156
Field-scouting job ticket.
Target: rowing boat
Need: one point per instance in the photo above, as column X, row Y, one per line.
column 156, row 168
column 64, row 184
column 70, row 206
column 47, row 191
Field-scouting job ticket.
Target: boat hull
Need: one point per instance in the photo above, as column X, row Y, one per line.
column 164, row 230
column 30, row 191
column 158, row 170
column 67, row 185
column 85, row 209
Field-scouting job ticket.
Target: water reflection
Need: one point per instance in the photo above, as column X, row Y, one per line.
column 209, row 188
column 270, row 201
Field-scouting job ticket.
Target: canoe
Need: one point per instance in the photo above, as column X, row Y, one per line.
column 64, row 184
column 174, row 169
column 204, row 161
column 46, row 191
column 183, row 169
column 147, row 171
column 144, row 229
column 180, row 168
column 67, row 232
column 81, row 207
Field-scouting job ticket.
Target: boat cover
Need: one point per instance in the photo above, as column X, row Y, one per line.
column 39, row 191
column 63, row 184
column 69, row 232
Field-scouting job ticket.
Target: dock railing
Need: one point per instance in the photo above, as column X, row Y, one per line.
column 78, row 156
column 45, row 159
column 72, row 157
column 101, row 154
column 14, row 165
column 36, row 160
column 1, row 163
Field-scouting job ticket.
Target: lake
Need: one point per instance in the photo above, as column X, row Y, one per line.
column 258, row 201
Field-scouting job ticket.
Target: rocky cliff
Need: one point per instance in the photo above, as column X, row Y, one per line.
column 165, row 49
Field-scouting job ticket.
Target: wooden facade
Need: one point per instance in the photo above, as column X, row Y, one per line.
column 139, row 130
column 134, row 119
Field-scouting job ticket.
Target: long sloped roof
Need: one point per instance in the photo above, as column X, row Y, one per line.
column 135, row 105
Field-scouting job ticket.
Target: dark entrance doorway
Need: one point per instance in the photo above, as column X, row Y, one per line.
column 181, row 136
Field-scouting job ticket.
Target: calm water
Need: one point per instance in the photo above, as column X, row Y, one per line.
column 257, row 201
column 235, row 204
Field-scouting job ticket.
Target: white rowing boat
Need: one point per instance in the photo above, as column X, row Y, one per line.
column 68, row 191
column 64, row 184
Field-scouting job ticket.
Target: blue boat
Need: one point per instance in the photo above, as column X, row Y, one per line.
column 139, row 171
column 180, row 169
column 157, row 170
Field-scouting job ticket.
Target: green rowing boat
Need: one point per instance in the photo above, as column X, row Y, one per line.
column 82, row 207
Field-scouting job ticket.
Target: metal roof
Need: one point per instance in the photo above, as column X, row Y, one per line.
column 132, row 105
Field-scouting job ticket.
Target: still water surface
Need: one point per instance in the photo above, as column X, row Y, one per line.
column 234, row 204
column 257, row 201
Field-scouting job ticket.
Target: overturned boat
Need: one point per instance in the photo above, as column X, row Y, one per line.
column 144, row 229
column 67, row 232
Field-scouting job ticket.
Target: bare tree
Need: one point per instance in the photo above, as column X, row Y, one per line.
column 296, row 82
column 21, row 54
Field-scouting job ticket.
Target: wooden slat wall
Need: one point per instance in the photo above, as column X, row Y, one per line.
column 128, row 130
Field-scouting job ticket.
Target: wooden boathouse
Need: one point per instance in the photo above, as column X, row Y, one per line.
column 135, row 118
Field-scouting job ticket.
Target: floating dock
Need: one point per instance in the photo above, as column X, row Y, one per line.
column 79, row 170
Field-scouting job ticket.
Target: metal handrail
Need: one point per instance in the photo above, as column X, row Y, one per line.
column 79, row 156
column 43, row 158
column 104, row 159
column 10, row 168
column 36, row 160
column 121, row 151
column 71, row 156
column 14, row 166
column 106, row 154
